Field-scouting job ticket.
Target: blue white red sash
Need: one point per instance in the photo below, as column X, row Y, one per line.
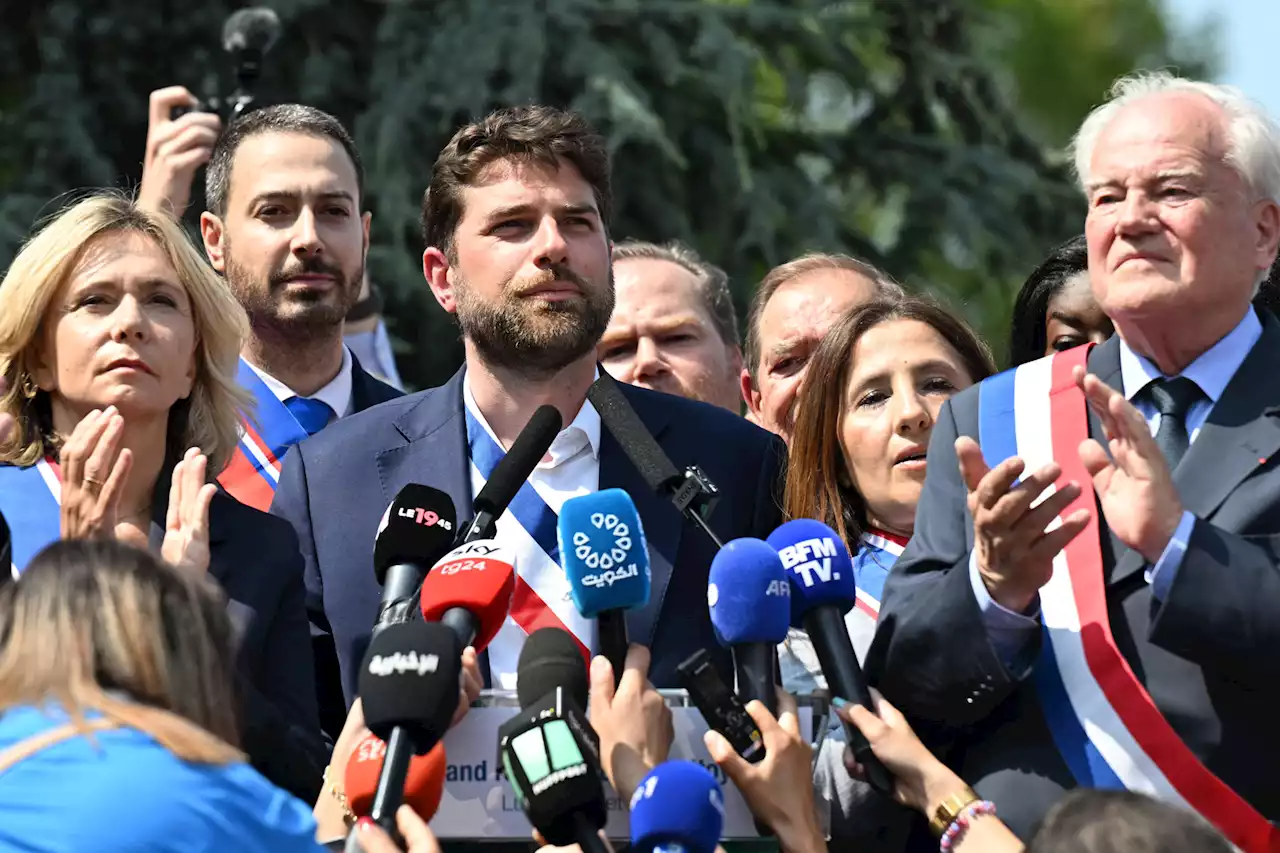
column 254, row 470
column 30, row 500
column 541, row 597
column 1104, row 723
column 871, row 565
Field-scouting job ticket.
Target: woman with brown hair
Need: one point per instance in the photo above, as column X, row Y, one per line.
column 858, row 460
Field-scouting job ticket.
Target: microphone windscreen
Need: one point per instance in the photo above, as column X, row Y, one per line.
column 748, row 594
column 256, row 28
column 606, row 560
column 632, row 436
column 818, row 565
column 514, row 468
column 678, row 803
column 410, row 678
column 423, row 784
column 418, row 528
column 555, row 777
column 549, row 659
column 479, row 577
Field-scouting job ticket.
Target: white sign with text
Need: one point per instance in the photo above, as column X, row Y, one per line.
column 479, row 803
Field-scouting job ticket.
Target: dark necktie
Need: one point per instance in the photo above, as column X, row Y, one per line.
column 311, row 415
column 1173, row 398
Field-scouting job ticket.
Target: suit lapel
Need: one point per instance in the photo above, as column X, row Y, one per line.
column 1241, row 432
column 434, row 452
column 662, row 523
column 366, row 391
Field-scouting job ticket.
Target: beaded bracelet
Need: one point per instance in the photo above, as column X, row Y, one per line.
column 960, row 825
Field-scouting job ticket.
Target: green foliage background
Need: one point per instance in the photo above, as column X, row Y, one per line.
column 923, row 135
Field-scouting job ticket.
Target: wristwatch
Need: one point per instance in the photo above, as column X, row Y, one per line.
column 950, row 808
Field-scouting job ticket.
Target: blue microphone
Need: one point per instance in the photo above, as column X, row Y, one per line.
column 607, row 564
column 822, row 592
column 678, row 808
column 750, row 602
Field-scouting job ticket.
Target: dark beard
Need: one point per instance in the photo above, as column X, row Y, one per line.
column 530, row 337
column 302, row 314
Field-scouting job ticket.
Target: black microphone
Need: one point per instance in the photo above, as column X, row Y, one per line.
column 511, row 472
column 416, row 531
column 549, row 751
column 691, row 491
column 409, row 688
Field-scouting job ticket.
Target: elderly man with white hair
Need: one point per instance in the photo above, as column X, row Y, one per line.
column 1092, row 594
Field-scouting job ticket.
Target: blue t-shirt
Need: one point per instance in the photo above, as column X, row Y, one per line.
column 125, row 792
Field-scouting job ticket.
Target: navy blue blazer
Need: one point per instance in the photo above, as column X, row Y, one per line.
column 1206, row 654
column 336, row 485
column 254, row 559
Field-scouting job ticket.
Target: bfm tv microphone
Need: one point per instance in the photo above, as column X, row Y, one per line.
column 549, row 752
column 417, row 528
column 692, row 491
column 423, row 785
column 409, row 688
column 606, row 562
column 750, row 603
column 822, row 592
column 470, row 591
column 511, row 472
column 678, row 807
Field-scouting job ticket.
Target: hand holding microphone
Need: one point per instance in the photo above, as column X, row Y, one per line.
column 606, row 562
column 822, row 592
column 779, row 789
column 633, row 721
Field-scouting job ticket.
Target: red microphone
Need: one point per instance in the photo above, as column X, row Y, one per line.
column 470, row 591
column 423, row 784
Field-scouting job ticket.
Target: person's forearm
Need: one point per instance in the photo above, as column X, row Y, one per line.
column 987, row 834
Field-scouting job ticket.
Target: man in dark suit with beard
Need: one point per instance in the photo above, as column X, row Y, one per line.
column 515, row 223
column 1122, row 632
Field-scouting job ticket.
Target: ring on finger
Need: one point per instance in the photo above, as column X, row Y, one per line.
column 91, row 481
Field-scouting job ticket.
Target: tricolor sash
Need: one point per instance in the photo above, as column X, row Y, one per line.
column 1104, row 723
column 871, row 565
column 254, row 470
column 541, row 598
column 29, row 499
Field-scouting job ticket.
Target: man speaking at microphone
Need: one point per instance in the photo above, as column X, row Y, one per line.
column 516, row 227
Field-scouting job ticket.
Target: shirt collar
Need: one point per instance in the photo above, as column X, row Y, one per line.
column 336, row 395
column 583, row 432
column 1211, row 371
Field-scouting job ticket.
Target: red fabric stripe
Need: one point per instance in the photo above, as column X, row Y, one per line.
column 1206, row 793
column 244, row 482
column 530, row 612
column 251, row 434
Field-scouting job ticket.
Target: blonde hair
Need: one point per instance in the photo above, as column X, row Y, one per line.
column 209, row 418
column 97, row 625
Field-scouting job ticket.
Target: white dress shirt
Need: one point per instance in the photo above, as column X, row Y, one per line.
column 570, row 469
column 336, row 395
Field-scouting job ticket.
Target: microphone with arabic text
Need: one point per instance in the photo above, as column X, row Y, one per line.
column 409, row 689
column 470, row 591
column 823, row 590
column 417, row 530
column 691, row 491
column 511, row 472
column 750, row 603
column 549, row 752
column 606, row 562
column 678, row 807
